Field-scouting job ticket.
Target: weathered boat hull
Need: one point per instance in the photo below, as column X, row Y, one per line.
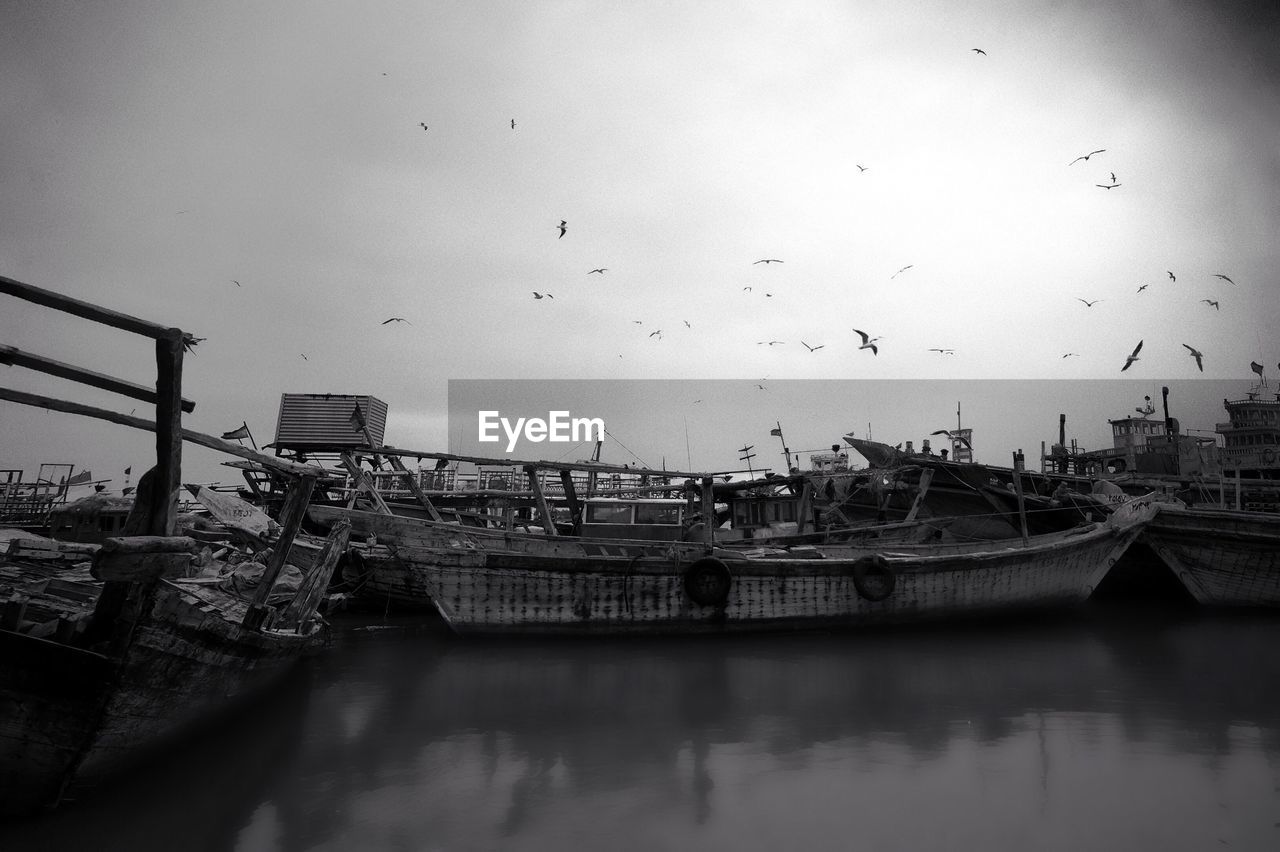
column 489, row 591
column 1222, row 557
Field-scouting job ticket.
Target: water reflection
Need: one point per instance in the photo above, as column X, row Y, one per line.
column 1107, row 730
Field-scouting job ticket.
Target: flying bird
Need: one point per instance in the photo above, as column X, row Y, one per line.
column 235, row 282
column 1172, row 277
column 900, row 271
column 748, row 289
column 561, row 226
column 813, row 348
column 861, row 167
column 868, row 342
column 768, row 260
column 538, row 295
column 944, row 351
column 1113, row 177
column 657, row 334
column 638, row 322
column 1107, row 185
column 1086, row 156
column 1087, row 303
column 1224, row 278
column 602, row 270
column 304, row 357
column 1197, row 355
column 1132, row 357
column 978, row 50
column 686, row 324
column 1070, row 354
column 1211, row 302
column 423, row 126
column 1143, row 287
column 513, row 124
column 395, row 319
column 955, row 436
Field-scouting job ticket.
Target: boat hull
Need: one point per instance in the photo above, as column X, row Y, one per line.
column 1223, row 557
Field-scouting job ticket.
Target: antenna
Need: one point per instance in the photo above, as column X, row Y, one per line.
column 747, row 456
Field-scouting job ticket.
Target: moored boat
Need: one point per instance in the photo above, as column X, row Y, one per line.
column 1223, row 557
column 645, row 587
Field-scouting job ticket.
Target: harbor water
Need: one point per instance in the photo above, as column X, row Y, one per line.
column 1114, row 726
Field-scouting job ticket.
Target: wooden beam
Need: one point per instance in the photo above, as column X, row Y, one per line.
column 115, row 319
column 571, row 497
column 164, row 516
column 190, row 435
column 363, row 482
column 412, row 481
column 544, row 511
column 926, row 478
column 15, row 357
column 805, row 507
column 708, row 511
column 598, row 467
column 291, row 515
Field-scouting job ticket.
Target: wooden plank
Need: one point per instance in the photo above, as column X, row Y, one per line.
column 164, row 512
column 708, row 511
column 412, row 481
column 571, row 497
column 140, row 567
column 598, row 467
column 544, row 511
column 363, row 482
column 291, row 515
column 805, row 507
column 15, row 357
column 926, row 478
column 37, row 401
column 67, row 304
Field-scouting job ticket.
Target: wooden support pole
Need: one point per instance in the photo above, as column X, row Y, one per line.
column 363, row 482
column 708, row 511
column 168, row 469
column 1022, row 502
column 15, row 357
column 571, row 497
column 805, row 507
column 926, row 478
column 544, row 511
column 291, row 515
column 412, row 481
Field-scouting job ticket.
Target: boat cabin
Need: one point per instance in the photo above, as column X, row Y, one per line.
column 646, row 518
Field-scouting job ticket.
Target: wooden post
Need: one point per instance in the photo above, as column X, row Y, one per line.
column 1022, row 502
column 1237, row 489
column 708, row 511
column 164, row 511
column 363, row 482
column 548, row 520
column 571, row 497
column 410, row 480
column 926, row 477
column 805, row 507
column 291, row 515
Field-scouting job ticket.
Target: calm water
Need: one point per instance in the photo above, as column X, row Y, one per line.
column 1112, row 728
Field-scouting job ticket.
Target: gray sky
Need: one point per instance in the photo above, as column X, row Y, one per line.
column 152, row 153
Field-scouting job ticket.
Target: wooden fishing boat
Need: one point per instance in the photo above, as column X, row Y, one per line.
column 1223, row 557
column 160, row 650
column 577, row 587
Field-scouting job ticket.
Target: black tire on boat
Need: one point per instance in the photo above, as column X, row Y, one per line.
column 873, row 578
column 707, row 582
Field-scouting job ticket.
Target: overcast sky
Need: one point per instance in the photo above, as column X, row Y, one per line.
column 154, row 154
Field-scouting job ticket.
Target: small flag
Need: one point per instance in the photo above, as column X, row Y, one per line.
column 357, row 419
column 128, row 470
column 80, row 478
column 236, row 434
column 1256, row 367
column 777, row 433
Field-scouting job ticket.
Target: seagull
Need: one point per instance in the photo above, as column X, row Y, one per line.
column 538, row 295
column 978, row 50
column 868, row 342
column 235, row 282
column 657, row 334
column 1143, row 287
column 1197, row 355
column 1069, row 354
column 1172, row 277
column 900, row 271
column 769, row 260
column 602, row 270
column 761, row 387
column 1224, row 278
column 1132, row 357
column 748, row 289
column 561, row 226
column 955, row 436
column 1107, row 185
column 304, row 357
column 1211, row 302
column 1087, row 303
column 686, row 324
column 513, row 124
column 813, row 348
column 423, row 126
column 395, row 319
column 1086, row 156
column 638, row 322
column 767, row 342
column 861, row 167
column 944, row 351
